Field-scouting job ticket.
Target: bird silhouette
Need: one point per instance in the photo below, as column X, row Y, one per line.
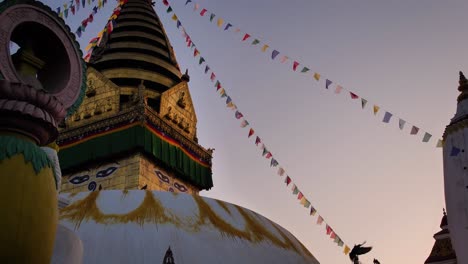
column 358, row 250
column 144, row 187
column 376, row 261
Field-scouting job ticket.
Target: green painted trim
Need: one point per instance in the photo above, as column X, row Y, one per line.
column 137, row 138
column 11, row 146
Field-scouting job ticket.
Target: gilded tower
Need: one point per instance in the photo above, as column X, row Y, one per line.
column 136, row 127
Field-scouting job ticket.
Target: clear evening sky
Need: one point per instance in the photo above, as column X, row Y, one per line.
column 369, row 180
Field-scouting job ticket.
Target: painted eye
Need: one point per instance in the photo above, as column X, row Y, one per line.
column 180, row 187
column 79, row 179
column 106, row 172
column 162, row 177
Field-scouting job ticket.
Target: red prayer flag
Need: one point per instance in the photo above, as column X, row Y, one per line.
column 202, row 13
column 213, row 77
column 287, row 181
column 251, row 132
column 165, row 2
column 246, row 36
column 329, row 230
column 353, row 95
column 195, row 52
column 268, row 155
column 300, row 195
column 333, row 235
column 295, row 64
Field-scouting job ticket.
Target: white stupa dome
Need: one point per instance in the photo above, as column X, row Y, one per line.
column 140, row 227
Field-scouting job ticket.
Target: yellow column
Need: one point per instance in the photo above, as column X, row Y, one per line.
column 28, row 203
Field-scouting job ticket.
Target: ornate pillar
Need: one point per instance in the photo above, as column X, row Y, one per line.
column 40, row 85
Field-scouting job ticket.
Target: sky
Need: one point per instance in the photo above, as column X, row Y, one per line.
column 369, row 180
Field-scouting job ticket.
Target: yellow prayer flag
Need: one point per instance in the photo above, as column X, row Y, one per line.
column 376, row 109
column 100, row 34
column 265, row 47
column 440, row 143
column 303, row 200
column 230, row 104
column 61, row 14
column 114, row 16
column 346, row 250
column 222, row 91
column 220, row 22
column 174, row 17
column 90, row 45
column 99, row 4
column 317, row 76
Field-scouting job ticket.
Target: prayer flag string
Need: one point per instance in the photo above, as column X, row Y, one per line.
column 258, row 141
column 300, row 68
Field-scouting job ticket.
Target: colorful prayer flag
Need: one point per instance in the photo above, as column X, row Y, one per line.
column 228, row 100
column 280, row 170
column 246, row 36
column 195, row 52
column 300, row 195
column 195, row 7
column 295, row 190
column 255, row 42
column 169, row 9
column 387, row 117
column 178, row 23
column 455, row 151
column 346, row 250
column 174, row 17
column 268, row 155
column 340, row 243
column 165, row 2
column 284, row 59
column 265, row 47
column 363, row 102
column 312, row 211
column 317, row 76
column 333, row 236
column 338, row 89
column 212, row 16
column 274, row 53
column 213, row 77
column 265, row 151
column 257, row 141
column 273, row 163
column 414, row 130
column 353, row 95
column 238, row 115
column 202, row 13
column 376, row 109
column 440, row 143
column 287, row 180
column 200, row 61
column 228, row 25
column 207, row 68
column 295, row 64
column 329, row 230
column 319, row 220
column 237, row 30
column 220, row 22
column 401, row 124
column 251, row 132
column 188, row 1
column 328, row 83
column 305, row 69
column 244, row 123
column 427, row 137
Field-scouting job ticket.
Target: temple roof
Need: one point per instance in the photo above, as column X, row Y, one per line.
column 137, row 49
column 442, row 251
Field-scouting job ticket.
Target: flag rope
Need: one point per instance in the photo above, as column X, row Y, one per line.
column 244, row 123
column 414, row 130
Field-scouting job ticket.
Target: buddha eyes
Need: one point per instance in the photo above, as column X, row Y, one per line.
column 106, row 172
column 100, row 174
column 162, row 177
column 180, row 187
column 79, row 179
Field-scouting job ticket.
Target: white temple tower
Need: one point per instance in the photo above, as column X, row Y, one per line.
column 456, row 173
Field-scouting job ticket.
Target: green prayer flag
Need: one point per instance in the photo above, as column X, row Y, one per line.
column 169, row 9
column 201, row 60
column 255, row 42
column 305, row 69
column 212, row 16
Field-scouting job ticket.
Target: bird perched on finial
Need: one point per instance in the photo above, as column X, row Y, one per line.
column 144, row 187
column 358, row 250
column 376, row 261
